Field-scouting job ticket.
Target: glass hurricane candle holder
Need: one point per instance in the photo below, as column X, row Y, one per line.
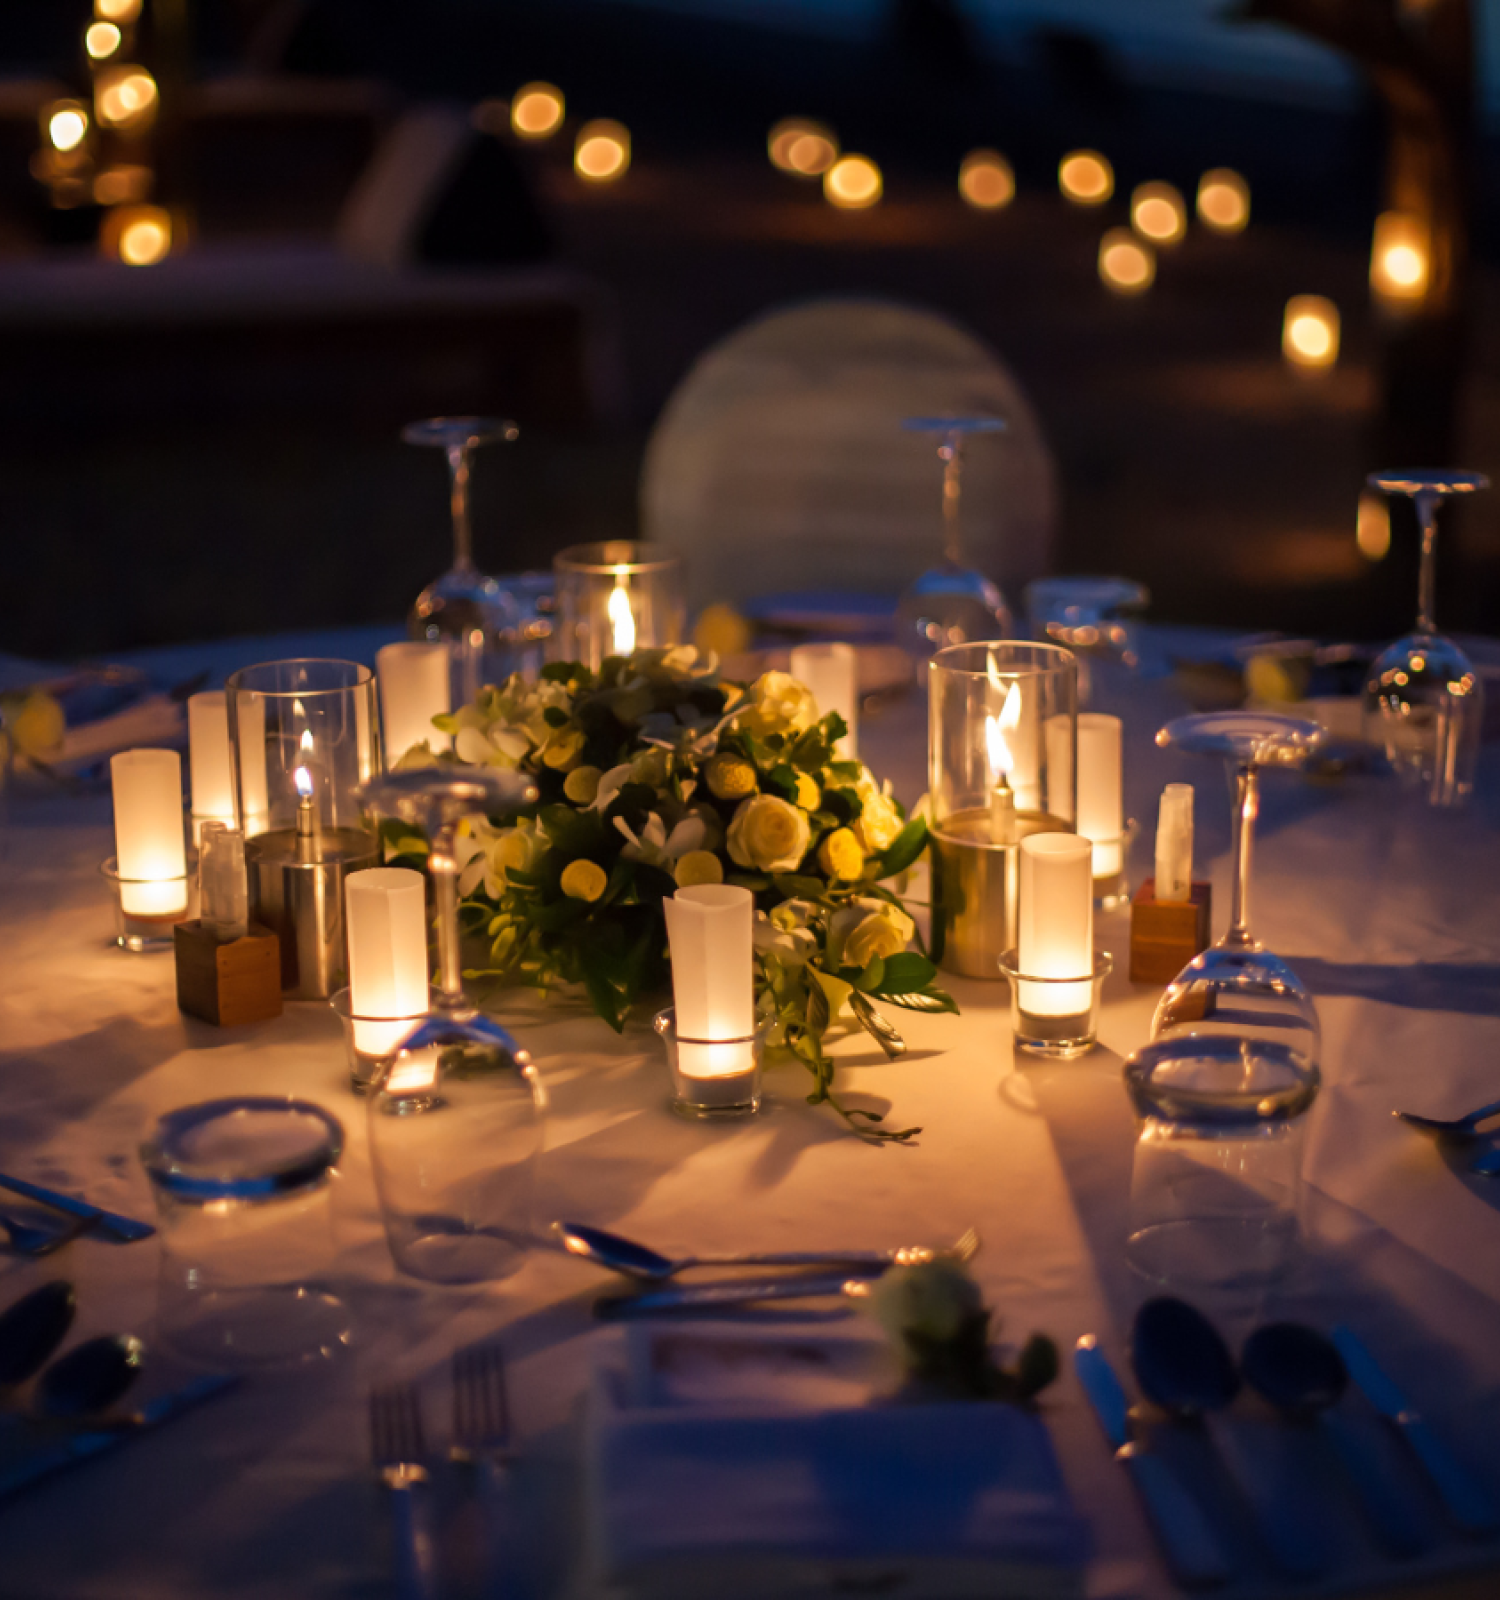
column 370, row 1041
column 1002, row 764
column 615, row 597
column 1057, row 1017
column 304, row 735
column 712, row 1080
column 141, row 925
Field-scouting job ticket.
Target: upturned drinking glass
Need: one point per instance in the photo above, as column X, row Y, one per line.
column 1423, row 700
column 476, row 615
column 953, row 602
column 1237, row 988
column 1092, row 617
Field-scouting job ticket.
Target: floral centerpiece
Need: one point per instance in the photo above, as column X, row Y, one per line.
column 654, row 773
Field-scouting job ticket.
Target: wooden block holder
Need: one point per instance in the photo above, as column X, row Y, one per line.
column 229, row 983
column 1166, row 934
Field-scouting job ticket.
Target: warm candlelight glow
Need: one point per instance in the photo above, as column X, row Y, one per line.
column 1158, row 213
column 415, row 679
column 116, row 185
column 602, row 152
column 101, row 40
column 1126, row 264
column 804, row 148
column 303, row 779
column 852, row 183
column 117, row 10
column 709, row 931
column 1310, row 331
column 1399, row 257
column 831, row 672
column 997, row 734
column 149, row 847
column 1372, row 531
column 387, row 932
column 1056, row 924
column 125, row 97
column 621, row 620
column 537, row 111
column 986, row 180
column 1086, row 178
column 67, row 125
column 208, row 759
column 1223, row 200
column 1101, row 815
column 142, row 234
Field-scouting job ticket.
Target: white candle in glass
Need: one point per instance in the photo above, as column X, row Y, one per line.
column 1101, row 807
column 415, row 686
column 253, row 813
column 149, row 847
column 1174, row 843
column 709, row 931
column 1056, row 924
column 387, row 929
column 208, row 760
column 831, row 672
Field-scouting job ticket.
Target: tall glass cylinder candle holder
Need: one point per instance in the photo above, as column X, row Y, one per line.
column 304, row 736
column 615, row 597
column 1002, row 766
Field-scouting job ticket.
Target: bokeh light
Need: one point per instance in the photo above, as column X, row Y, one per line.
column 1158, row 212
column 117, row 185
column 1310, row 331
column 125, row 97
column 1126, row 264
column 67, row 124
column 1399, row 257
column 141, row 235
column 853, row 183
column 1223, row 200
column 602, row 151
column 1372, row 530
column 117, row 10
column 537, row 111
column 1086, row 178
column 802, row 147
column 101, row 39
column 986, row 180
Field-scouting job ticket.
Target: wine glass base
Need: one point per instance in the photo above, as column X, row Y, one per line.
column 1244, row 994
column 1215, row 1253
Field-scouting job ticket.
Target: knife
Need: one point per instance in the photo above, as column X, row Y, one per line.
column 1465, row 1500
column 124, row 1230
column 1191, row 1547
column 732, row 1292
column 74, row 1448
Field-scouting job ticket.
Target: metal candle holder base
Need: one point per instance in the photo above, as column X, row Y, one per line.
column 1056, row 1017
column 302, row 903
column 730, row 1090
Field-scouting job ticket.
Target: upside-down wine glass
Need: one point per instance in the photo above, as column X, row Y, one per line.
column 951, row 603
column 1423, row 700
column 1091, row 616
column 474, row 614
column 455, row 1110
column 1237, row 988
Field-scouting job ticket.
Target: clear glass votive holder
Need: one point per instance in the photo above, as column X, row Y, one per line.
column 615, row 597
column 1215, row 1200
column 713, row 1080
column 369, row 1041
column 243, row 1189
column 1112, row 869
column 1057, row 1017
column 147, row 910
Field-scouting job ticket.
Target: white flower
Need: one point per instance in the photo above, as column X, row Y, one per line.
column 867, row 928
column 658, row 848
column 777, row 703
column 519, row 848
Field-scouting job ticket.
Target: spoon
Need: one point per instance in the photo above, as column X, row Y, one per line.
column 1183, row 1364
column 90, row 1378
column 1459, row 1128
column 624, row 1255
column 1300, row 1372
column 32, row 1329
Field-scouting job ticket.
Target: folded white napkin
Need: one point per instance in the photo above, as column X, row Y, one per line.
column 747, row 1497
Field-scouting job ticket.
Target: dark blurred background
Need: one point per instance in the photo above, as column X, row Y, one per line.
column 208, row 444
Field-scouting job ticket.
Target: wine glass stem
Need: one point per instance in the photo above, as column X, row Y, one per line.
column 1427, row 504
column 1246, row 805
column 458, row 501
column 443, row 865
column 953, row 463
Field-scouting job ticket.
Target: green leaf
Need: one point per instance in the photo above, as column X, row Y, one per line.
column 559, row 914
column 608, row 1001
column 906, row 973
column 555, row 717
column 794, row 884
column 904, row 848
column 753, row 881
column 817, row 1010
column 561, row 671
column 781, row 780
column 844, row 771
column 924, row 1000
column 843, row 803
column 869, row 979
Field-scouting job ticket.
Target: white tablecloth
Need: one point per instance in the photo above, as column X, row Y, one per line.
column 1388, row 910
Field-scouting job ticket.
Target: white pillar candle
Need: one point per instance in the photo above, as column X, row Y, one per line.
column 1056, row 923
column 1174, row 843
column 415, row 687
column 208, row 760
column 253, row 811
column 149, row 848
column 1101, row 810
column 709, row 930
column 387, row 929
column 831, row 672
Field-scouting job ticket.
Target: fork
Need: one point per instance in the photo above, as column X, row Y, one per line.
column 28, row 1241
column 1450, row 1128
column 481, row 1404
column 398, row 1450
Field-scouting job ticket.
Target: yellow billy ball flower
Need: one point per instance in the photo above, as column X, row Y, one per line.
column 808, row 792
column 840, row 856
column 730, row 777
column 698, row 866
column 563, row 749
column 583, row 880
column 581, row 785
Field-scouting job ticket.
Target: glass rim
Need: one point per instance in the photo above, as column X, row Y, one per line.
column 235, row 684
column 1188, row 1104
column 649, row 555
column 110, row 868
column 1104, row 964
column 179, row 1176
column 339, row 1003
column 1049, row 659
column 664, row 1024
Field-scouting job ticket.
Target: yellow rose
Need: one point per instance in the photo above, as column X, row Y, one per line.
column 840, row 856
column 730, row 777
column 698, row 866
column 518, row 848
column 563, row 749
column 867, row 928
column 581, row 785
column 768, row 834
column 879, row 823
column 808, row 792
column 777, row 703
column 584, row 880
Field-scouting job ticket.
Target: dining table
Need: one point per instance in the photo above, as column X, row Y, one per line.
column 1387, row 909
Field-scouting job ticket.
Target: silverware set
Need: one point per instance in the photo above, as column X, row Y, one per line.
column 1185, row 1369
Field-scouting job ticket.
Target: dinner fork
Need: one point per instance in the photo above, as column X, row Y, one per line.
column 398, row 1451
column 1459, row 1128
column 481, row 1404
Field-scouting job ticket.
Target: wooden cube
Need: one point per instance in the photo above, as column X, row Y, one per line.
column 1166, row 934
column 231, row 983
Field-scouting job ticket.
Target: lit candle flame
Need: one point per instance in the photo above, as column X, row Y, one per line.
column 304, row 781
column 621, row 619
column 1002, row 761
